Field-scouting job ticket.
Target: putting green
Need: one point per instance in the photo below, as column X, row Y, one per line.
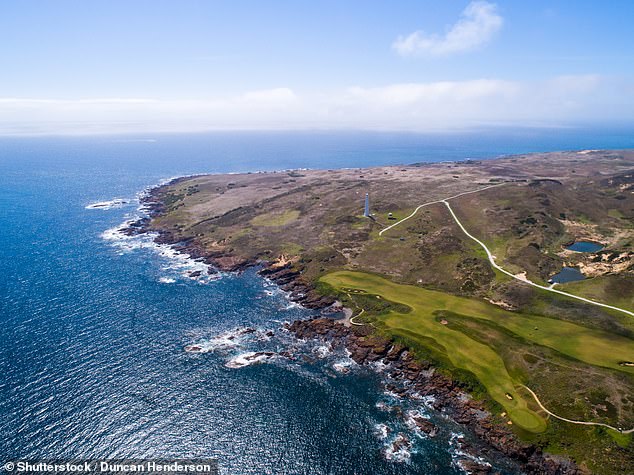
column 591, row 346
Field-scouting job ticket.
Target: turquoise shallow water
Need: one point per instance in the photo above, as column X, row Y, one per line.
column 93, row 327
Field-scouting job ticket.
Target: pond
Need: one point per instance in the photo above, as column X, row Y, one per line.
column 567, row 274
column 585, row 246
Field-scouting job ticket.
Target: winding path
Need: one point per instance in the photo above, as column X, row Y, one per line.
column 491, row 257
column 526, row 281
column 629, row 431
column 355, row 316
column 436, row 202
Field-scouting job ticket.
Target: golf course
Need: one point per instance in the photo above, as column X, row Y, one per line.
column 430, row 321
column 455, row 263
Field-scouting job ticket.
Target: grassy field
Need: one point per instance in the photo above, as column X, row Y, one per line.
column 481, row 358
column 276, row 219
column 618, row 290
column 437, row 283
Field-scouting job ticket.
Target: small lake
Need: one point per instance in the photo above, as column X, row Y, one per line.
column 567, row 274
column 585, row 246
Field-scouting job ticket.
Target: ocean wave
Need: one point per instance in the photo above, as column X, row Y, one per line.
column 383, row 406
column 250, row 358
column 322, row 351
column 344, row 365
column 111, row 204
column 119, row 238
column 461, row 459
column 392, row 395
column 412, row 416
column 381, row 431
column 420, row 424
column 428, row 400
column 399, row 449
column 178, row 265
column 229, row 340
column 379, row 366
column 272, row 290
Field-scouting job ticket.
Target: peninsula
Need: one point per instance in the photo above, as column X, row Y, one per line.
column 512, row 278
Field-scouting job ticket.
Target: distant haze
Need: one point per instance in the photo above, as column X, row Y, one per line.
column 74, row 67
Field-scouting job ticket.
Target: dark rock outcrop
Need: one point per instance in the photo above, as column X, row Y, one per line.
column 289, row 278
column 412, row 376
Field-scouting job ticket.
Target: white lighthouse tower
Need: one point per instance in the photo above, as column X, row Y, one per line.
column 366, row 211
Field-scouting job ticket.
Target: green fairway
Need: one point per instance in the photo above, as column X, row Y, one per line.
column 591, row 346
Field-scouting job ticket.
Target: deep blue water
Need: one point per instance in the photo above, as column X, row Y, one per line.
column 585, row 246
column 567, row 274
column 93, row 330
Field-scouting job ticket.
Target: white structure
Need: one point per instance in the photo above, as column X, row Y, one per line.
column 366, row 211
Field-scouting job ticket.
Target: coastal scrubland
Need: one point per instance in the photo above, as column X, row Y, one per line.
column 425, row 284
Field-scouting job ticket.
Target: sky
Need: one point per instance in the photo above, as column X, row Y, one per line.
column 82, row 67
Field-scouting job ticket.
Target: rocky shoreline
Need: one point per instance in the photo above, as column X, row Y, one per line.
column 287, row 278
column 411, row 376
column 414, row 378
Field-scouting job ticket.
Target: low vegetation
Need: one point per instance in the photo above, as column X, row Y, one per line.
column 426, row 284
column 484, row 339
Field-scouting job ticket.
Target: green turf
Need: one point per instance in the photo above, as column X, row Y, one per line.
column 623, row 440
column 615, row 289
column 276, row 219
column 591, row 346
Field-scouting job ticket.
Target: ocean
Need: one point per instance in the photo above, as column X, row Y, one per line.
column 94, row 325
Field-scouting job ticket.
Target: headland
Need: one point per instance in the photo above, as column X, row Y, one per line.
column 450, row 281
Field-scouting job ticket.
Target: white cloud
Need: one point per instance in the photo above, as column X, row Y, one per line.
column 434, row 92
column 477, row 25
column 417, row 106
column 580, row 83
column 252, row 109
column 447, row 105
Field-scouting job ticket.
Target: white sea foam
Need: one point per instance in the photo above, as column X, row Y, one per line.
column 322, row 351
column 414, row 414
column 105, row 205
column 383, row 406
column 178, row 265
column 272, row 289
column 411, row 418
column 392, row 395
column 379, row 366
column 458, row 456
column 167, row 280
column 344, row 365
column 249, row 358
column 455, row 438
column 226, row 340
column 381, row 431
column 428, row 400
column 119, row 239
column 398, row 450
